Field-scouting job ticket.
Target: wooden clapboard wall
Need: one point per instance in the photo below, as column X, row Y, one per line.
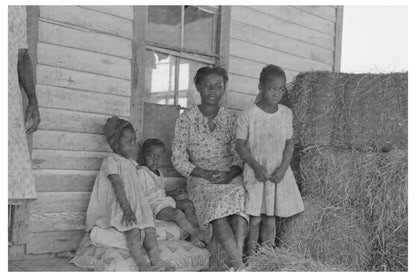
column 83, row 75
column 297, row 38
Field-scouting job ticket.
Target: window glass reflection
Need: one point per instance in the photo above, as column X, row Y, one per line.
column 199, row 30
column 164, row 25
column 160, row 78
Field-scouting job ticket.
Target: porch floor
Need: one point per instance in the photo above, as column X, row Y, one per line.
column 44, row 264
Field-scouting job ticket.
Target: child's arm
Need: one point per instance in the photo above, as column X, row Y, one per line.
column 245, row 154
column 128, row 215
column 280, row 171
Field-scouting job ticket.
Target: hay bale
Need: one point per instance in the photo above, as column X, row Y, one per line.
column 359, row 111
column 374, row 187
column 328, row 235
column 283, row 259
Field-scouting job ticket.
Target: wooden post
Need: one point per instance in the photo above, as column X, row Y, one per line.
column 138, row 70
column 224, row 42
column 338, row 38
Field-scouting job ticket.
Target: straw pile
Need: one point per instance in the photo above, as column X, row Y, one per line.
column 218, row 260
column 283, row 259
column 327, row 234
column 358, row 111
column 372, row 186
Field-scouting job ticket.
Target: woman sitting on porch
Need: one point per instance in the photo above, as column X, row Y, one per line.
column 204, row 152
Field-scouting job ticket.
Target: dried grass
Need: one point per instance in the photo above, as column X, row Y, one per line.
column 284, row 259
column 327, row 234
column 371, row 185
column 358, row 111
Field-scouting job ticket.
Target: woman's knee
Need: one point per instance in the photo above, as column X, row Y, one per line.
column 255, row 221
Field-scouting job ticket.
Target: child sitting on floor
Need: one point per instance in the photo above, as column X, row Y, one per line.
column 163, row 207
column 118, row 200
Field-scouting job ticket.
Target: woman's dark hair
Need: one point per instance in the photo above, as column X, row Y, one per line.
column 271, row 71
column 150, row 143
column 205, row 71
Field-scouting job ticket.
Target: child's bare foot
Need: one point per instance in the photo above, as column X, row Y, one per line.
column 165, row 265
column 195, row 240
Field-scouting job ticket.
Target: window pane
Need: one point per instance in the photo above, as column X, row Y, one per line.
column 164, row 24
column 200, row 28
column 160, row 78
column 188, row 96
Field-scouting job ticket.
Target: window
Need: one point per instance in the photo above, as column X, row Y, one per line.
column 179, row 40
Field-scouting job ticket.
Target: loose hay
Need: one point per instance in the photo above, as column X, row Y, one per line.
column 328, row 235
column 218, row 260
column 371, row 185
column 283, row 259
column 359, row 111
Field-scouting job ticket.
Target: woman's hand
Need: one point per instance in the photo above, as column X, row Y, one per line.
column 261, row 173
column 32, row 118
column 222, row 177
column 129, row 218
column 277, row 175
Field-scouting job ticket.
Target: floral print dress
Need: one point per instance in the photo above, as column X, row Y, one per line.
column 195, row 145
column 21, row 179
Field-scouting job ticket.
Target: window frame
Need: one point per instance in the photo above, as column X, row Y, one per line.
column 182, row 52
column 141, row 45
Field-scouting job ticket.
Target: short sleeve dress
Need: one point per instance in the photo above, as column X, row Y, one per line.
column 266, row 135
column 195, row 145
column 104, row 210
column 21, row 180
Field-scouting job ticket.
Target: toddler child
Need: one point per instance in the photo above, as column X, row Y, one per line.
column 164, row 207
column 265, row 143
column 118, row 200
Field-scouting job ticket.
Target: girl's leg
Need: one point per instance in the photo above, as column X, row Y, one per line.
column 253, row 235
column 240, row 229
column 176, row 215
column 225, row 236
column 136, row 250
column 268, row 230
column 150, row 243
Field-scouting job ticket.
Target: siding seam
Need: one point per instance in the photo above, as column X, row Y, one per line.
column 294, row 23
column 313, row 14
column 83, row 90
column 283, row 35
column 278, row 50
column 83, row 71
column 115, row 15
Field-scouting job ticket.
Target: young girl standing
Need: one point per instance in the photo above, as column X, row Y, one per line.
column 118, row 200
column 265, row 143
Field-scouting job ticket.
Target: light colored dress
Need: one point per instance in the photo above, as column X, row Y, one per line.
column 154, row 188
column 195, row 145
column 267, row 134
column 21, row 180
column 104, row 210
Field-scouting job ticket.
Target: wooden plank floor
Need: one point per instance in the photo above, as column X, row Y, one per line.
column 45, row 264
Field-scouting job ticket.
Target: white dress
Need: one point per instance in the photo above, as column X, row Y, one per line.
column 266, row 135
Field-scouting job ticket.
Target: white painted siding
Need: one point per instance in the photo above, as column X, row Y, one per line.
column 83, row 76
column 297, row 38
